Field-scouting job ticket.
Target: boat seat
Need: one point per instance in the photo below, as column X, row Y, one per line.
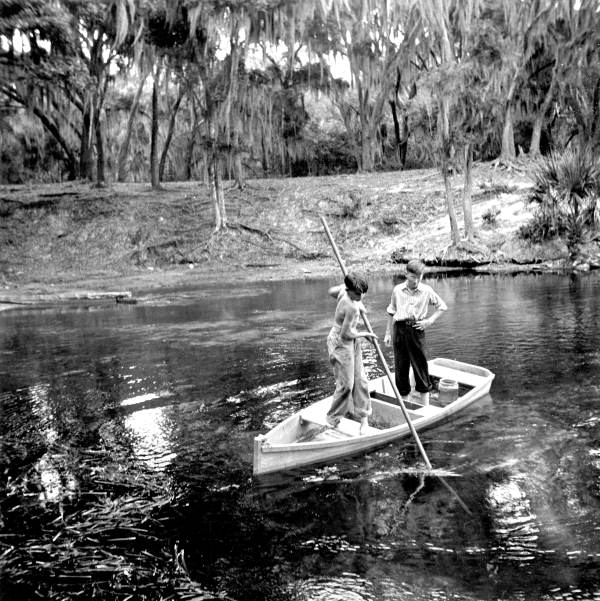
column 380, row 396
column 462, row 377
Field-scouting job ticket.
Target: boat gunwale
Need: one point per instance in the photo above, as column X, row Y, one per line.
column 385, row 434
column 478, row 379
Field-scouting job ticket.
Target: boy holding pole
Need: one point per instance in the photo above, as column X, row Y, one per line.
column 345, row 354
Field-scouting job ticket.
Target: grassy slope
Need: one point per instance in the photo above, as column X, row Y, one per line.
column 69, row 233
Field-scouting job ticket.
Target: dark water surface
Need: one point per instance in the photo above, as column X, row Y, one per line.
column 127, row 444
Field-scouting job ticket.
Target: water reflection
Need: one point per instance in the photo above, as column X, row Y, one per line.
column 151, row 430
column 348, row 586
column 513, row 523
column 56, row 482
column 38, row 395
column 149, row 411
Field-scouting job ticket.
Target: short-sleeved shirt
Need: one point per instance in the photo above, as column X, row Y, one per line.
column 413, row 304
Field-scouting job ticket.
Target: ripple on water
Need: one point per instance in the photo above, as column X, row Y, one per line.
column 346, row 587
column 529, row 459
column 274, row 402
column 405, row 585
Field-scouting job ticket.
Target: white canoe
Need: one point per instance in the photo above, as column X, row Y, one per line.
column 304, row 438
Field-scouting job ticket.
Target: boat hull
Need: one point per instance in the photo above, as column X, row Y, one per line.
column 304, row 438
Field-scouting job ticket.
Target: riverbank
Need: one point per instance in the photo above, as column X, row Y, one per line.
column 73, row 241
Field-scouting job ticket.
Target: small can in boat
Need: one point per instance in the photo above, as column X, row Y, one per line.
column 448, row 391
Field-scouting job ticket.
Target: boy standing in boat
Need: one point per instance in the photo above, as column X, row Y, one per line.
column 345, row 354
column 407, row 320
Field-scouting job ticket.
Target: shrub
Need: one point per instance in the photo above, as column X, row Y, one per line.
column 540, row 229
column 566, row 191
column 490, row 216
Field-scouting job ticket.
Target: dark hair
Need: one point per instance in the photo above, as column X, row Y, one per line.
column 415, row 266
column 356, row 282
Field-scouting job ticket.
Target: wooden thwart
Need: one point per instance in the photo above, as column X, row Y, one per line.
column 412, row 405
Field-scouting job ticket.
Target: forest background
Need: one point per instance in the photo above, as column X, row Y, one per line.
column 149, row 143
column 98, row 98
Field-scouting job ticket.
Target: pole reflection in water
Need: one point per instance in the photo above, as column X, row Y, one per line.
column 127, row 446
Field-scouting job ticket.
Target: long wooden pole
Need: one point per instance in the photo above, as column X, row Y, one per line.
column 379, row 353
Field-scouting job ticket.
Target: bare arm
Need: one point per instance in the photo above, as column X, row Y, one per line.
column 348, row 332
column 425, row 323
column 388, row 330
column 335, row 290
column 391, row 310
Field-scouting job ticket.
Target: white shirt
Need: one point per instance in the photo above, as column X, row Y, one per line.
column 413, row 304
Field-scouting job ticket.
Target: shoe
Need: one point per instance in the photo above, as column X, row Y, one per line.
column 425, row 398
column 405, row 399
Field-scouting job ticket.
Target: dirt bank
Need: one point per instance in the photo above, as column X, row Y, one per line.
column 71, row 241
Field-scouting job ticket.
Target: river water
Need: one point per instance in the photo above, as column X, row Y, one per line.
column 127, row 444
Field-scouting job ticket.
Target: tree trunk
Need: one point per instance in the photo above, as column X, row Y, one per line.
column 403, row 146
column 400, row 134
column 264, row 157
column 367, row 133
column 220, row 196
column 508, row 136
column 189, row 156
column 396, row 124
column 100, row 162
column 238, row 168
column 444, row 139
column 595, row 127
column 366, row 155
column 216, row 193
column 454, row 233
column 213, row 193
column 86, row 167
column 189, row 153
column 124, row 149
column 283, row 157
column 154, row 175
column 165, row 151
column 345, row 113
column 100, row 158
column 536, row 134
column 467, row 192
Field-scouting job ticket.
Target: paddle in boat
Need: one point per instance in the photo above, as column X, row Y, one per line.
column 304, row 438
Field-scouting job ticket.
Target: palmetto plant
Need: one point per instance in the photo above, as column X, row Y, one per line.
column 567, row 192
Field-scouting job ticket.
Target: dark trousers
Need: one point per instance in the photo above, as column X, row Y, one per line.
column 410, row 349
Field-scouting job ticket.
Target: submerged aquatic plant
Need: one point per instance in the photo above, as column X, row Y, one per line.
column 110, row 540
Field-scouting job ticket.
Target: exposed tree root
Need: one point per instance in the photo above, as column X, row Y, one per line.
column 509, row 164
column 305, row 254
column 472, row 247
column 249, row 228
